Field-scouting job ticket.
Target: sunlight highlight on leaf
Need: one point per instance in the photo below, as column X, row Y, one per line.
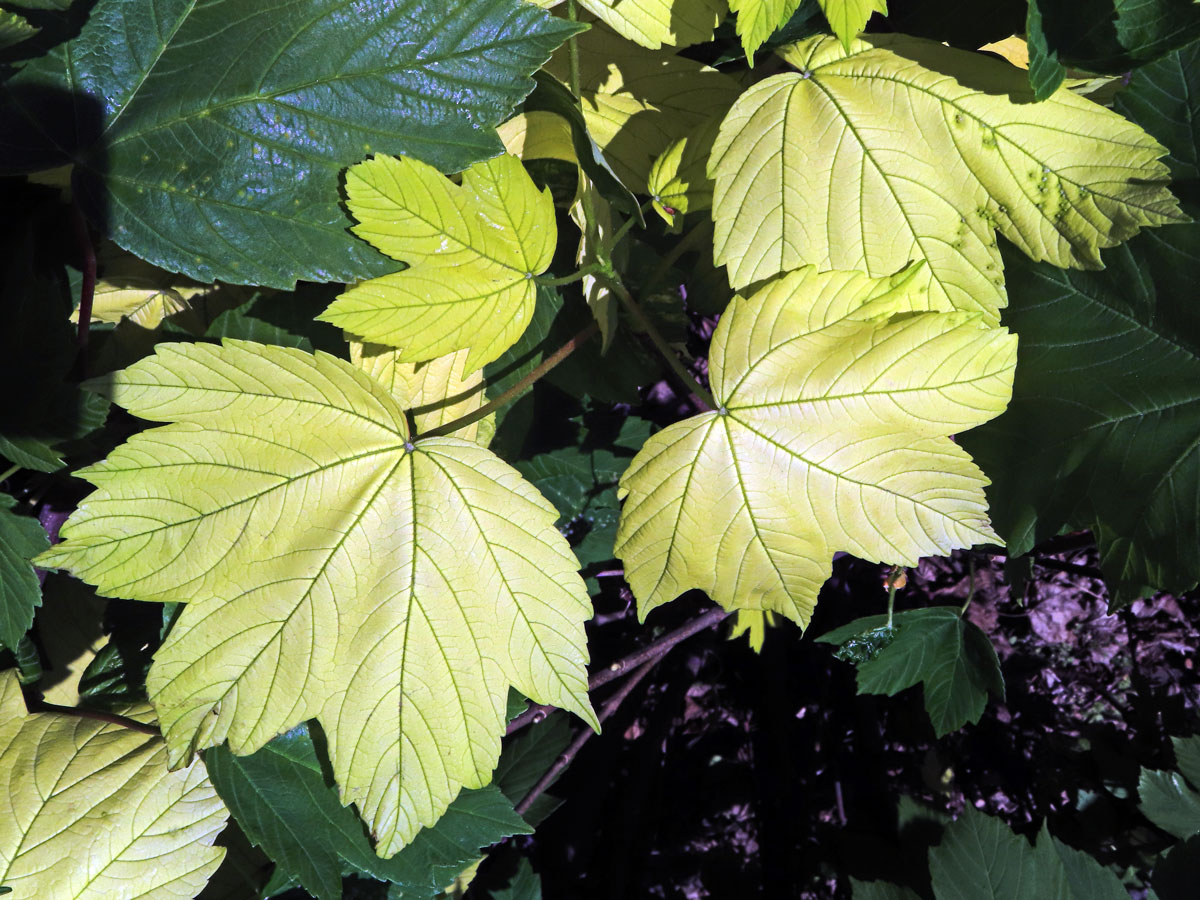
column 757, row 20
column 333, row 569
column 837, row 393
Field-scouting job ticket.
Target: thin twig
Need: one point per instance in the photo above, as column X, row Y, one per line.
column 700, row 394
column 111, row 718
column 610, row 706
column 517, row 389
column 650, row 653
column 87, row 289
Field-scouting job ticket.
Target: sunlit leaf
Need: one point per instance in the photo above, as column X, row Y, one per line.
column 757, row 20
column 679, row 181
column 652, row 23
column 435, row 392
column 905, row 149
column 332, row 569
column 472, row 252
column 848, row 18
column 836, row 394
column 93, row 812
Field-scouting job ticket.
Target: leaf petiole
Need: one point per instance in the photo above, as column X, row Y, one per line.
column 687, row 379
column 517, row 389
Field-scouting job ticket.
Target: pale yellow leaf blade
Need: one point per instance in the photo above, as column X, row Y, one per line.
column 653, row 23
column 333, row 569
column 872, row 159
column 757, row 20
column 837, row 397
column 95, row 814
column 434, row 392
column 538, row 134
column 679, row 181
column 130, row 288
column 848, row 18
column 472, row 249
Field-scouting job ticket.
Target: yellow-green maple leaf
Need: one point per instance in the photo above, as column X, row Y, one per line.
column 472, row 252
column 679, row 181
column 334, row 569
column 435, row 392
column 757, row 20
column 636, row 102
column 849, row 17
column 652, row 23
column 93, row 812
column 870, row 159
column 837, row 395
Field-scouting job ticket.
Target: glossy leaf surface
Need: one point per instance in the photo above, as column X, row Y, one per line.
column 231, row 171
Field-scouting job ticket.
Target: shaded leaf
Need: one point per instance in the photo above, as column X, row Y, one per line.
column 232, row 172
column 904, row 149
column 14, row 29
column 281, row 799
column 880, row 890
column 679, row 181
column 525, row 885
column 637, row 102
column 1116, row 35
column 472, row 250
column 94, row 809
column 401, row 587
column 836, row 393
column 948, row 656
column 1102, row 430
column 1166, row 799
column 21, row 539
column 1046, row 73
column 1178, row 870
column 981, row 859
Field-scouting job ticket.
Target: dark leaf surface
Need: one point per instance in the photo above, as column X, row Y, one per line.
column 280, row 798
column 212, row 136
column 937, row 648
column 21, row 539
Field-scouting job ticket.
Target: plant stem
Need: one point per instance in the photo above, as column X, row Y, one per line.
column 9, row 472
column 690, row 385
column 610, row 706
column 652, row 652
column 971, row 587
column 111, row 718
column 891, row 602
column 620, row 233
column 87, row 288
column 592, row 269
column 517, row 389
